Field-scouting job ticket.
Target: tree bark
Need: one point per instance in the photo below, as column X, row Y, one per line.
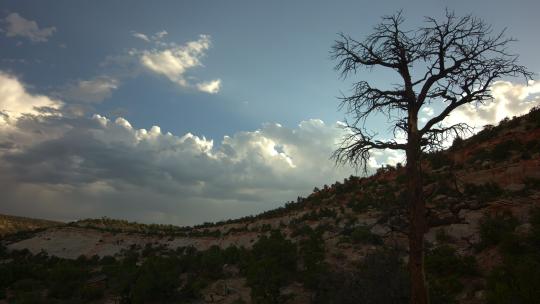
column 417, row 221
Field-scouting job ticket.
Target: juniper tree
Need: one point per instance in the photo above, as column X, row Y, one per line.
column 449, row 62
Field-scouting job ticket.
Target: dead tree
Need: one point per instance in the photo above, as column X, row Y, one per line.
column 450, row 62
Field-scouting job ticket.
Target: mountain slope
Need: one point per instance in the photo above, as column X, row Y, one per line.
column 10, row 224
column 343, row 241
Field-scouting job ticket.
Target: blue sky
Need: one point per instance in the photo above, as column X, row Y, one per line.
column 272, row 56
column 257, row 64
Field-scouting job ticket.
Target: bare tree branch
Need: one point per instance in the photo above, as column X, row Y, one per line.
column 459, row 59
column 462, row 57
column 357, row 144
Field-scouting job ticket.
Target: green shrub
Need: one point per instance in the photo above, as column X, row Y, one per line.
column 157, row 279
column 457, row 143
column 503, row 150
column 362, row 235
column 272, row 264
column 534, row 116
column 444, row 270
column 66, row 278
column 3, row 251
column 442, row 236
column 315, row 215
column 384, row 199
column 381, row 278
column 302, row 230
column 312, row 253
column 193, row 287
column 30, row 297
column 233, row 255
column 211, row 263
column 532, row 146
column 534, row 235
column 485, row 192
column 401, row 179
column 443, row 261
column 494, row 229
column 516, row 281
column 92, row 293
column 444, row 185
column 487, row 133
column 26, row 285
column 358, row 206
column 107, row 260
column 479, row 155
column 438, row 159
column 444, row 290
column 532, row 183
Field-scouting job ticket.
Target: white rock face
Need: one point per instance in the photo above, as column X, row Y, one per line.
column 70, row 242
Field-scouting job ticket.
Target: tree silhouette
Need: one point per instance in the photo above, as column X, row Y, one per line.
column 451, row 62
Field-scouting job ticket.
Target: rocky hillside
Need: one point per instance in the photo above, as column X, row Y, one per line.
column 10, row 224
column 344, row 243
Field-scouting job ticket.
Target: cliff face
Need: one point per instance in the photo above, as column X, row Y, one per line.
column 489, row 179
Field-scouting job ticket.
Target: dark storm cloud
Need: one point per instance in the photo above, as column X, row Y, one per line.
column 57, row 164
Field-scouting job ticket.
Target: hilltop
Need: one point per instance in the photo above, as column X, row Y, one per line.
column 10, row 224
column 335, row 246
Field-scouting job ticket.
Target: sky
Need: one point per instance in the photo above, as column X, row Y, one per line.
column 182, row 112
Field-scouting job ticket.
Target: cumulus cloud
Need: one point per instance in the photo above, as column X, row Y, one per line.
column 425, row 113
column 159, row 35
column 100, row 159
column 141, row 36
column 211, row 87
column 91, row 91
column 18, row 26
column 68, row 167
column 174, row 61
column 156, row 37
column 428, row 111
column 509, row 99
column 170, row 60
column 15, row 101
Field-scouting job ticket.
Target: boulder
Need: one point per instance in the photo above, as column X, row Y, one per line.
column 380, row 230
column 471, row 217
column 514, row 187
column 440, row 197
column 463, row 232
column 523, row 229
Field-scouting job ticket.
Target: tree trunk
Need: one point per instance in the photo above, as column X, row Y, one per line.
column 417, row 220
